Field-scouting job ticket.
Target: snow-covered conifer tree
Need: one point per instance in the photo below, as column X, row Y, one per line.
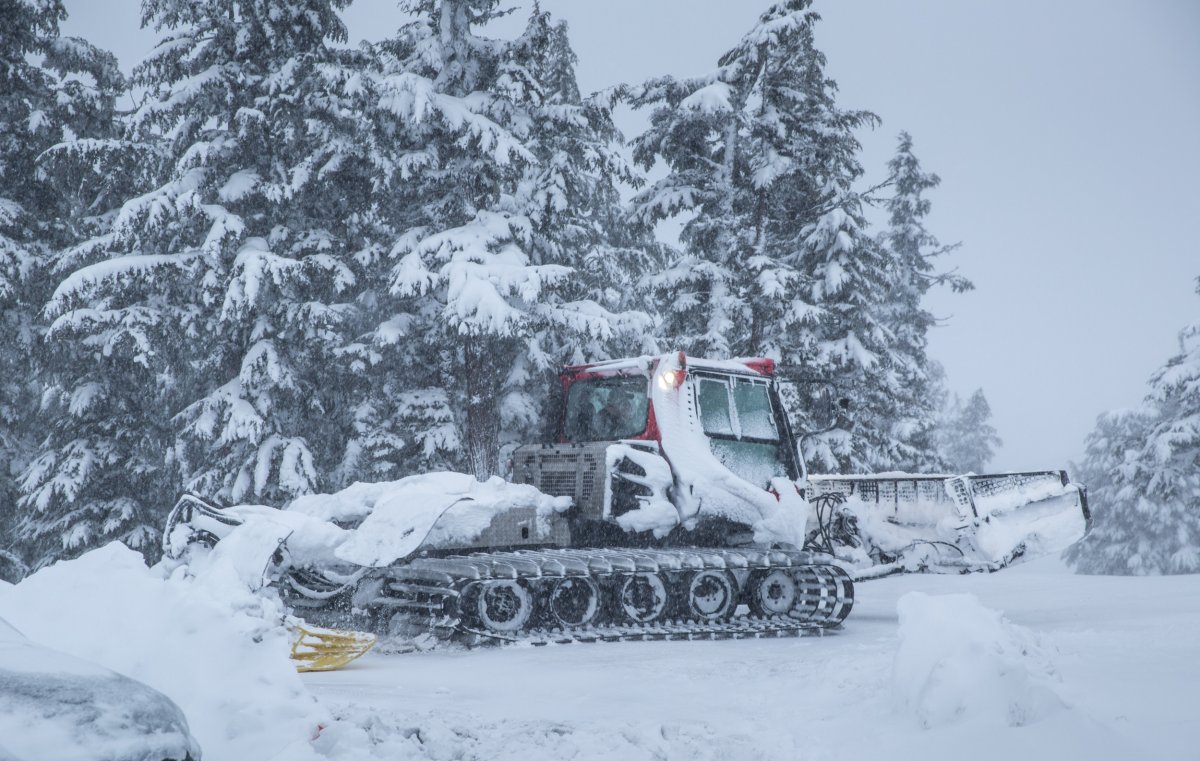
column 91, row 170
column 777, row 259
column 571, row 192
column 57, row 101
column 280, row 215
column 966, row 438
column 195, row 340
column 508, row 185
column 912, row 250
column 1172, row 455
column 1115, row 481
column 570, row 196
column 1142, row 470
column 26, row 103
column 850, row 343
column 744, row 145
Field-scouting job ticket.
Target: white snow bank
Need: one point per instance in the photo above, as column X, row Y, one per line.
column 207, row 642
column 961, row 662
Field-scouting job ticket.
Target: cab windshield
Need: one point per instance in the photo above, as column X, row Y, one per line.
column 738, row 416
column 606, row 409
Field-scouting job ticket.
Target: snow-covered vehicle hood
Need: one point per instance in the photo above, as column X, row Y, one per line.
column 54, row 706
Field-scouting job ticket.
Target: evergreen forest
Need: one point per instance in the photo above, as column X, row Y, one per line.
column 267, row 262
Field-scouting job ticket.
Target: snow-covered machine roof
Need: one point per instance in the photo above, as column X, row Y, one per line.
column 645, row 363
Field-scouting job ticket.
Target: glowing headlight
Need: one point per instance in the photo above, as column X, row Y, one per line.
column 669, row 379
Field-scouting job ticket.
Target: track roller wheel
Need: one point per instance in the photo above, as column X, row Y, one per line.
column 711, row 595
column 812, row 594
column 772, row 592
column 843, row 591
column 503, row 606
column 574, row 601
column 824, row 594
column 642, row 597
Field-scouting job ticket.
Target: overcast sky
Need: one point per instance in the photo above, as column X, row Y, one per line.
column 1067, row 137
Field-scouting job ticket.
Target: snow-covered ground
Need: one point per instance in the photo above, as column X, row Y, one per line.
column 1029, row 663
column 1085, row 667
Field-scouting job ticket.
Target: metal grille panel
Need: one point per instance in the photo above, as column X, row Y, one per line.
column 557, row 484
column 565, row 470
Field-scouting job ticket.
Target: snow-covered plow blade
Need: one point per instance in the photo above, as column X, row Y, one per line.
column 887, row 524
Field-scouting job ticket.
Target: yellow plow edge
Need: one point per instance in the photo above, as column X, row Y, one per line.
column 319, row 649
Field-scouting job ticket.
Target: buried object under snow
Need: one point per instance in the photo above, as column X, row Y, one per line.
column 54, row 705
column 672, row 505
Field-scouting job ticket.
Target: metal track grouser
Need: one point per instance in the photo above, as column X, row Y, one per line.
column 673, row 504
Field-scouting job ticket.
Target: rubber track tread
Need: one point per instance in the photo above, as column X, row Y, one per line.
column 738, row 628
column 825, row 593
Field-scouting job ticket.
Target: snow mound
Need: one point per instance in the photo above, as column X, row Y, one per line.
column 961, row 662
column 208, row 642
column 395, row 518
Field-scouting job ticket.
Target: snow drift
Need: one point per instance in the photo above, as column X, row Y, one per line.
column 961, row 662
column 206, row 641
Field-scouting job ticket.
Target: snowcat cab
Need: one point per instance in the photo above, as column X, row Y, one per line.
column 672, row 450
column 739, row 411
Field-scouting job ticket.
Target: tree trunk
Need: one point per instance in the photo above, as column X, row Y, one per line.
column 756, row 308
column 483, row 415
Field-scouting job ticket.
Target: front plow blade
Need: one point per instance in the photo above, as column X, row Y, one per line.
column 319, row 649
column 900, row 523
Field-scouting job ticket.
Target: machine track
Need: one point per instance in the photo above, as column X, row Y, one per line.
column 744, row 627
column 540, row 597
